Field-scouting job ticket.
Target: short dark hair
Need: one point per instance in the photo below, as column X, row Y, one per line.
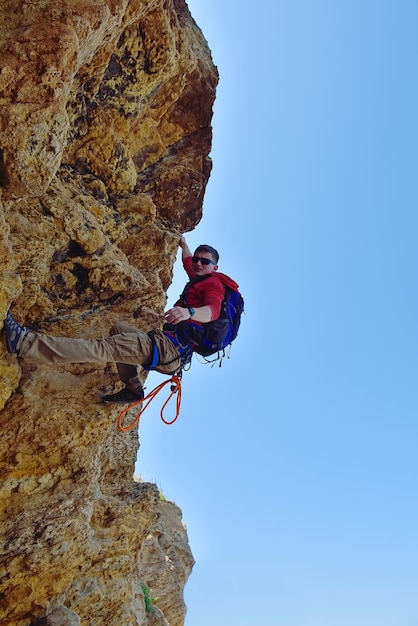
column 205, row 248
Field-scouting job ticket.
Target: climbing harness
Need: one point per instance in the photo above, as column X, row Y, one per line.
column 175, row 388
column 183, row 346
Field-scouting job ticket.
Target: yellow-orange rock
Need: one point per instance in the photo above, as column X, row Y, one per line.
column 105, row 135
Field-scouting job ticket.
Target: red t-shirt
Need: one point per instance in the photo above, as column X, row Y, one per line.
column 207, row 292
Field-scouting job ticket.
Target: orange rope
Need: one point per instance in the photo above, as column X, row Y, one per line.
column 175, row 388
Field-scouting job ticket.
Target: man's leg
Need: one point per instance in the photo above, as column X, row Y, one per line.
column 131, row 346
column 128, row 347
column 129, row 374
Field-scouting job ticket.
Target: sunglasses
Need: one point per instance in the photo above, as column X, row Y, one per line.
column 196, row 259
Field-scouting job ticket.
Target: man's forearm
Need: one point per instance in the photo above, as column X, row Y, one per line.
column 202, row 314
column 179, row 314
column 184, row 248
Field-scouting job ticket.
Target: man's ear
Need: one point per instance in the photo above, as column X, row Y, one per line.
column 215, row 267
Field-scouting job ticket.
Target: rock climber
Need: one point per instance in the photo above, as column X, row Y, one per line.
column 165, row 350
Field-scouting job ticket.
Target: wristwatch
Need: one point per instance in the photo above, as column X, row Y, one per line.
column 191, row 311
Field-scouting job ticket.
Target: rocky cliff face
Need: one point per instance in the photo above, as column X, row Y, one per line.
column 105, row 132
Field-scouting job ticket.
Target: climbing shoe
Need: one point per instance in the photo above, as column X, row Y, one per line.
column 124, row 396
column 15, row 333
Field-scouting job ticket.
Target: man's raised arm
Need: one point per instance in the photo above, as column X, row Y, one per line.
column 184, row 247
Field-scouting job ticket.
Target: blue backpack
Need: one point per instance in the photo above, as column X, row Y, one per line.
column 215, row 336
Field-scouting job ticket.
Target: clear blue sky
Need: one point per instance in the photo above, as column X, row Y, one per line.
column 295, row 464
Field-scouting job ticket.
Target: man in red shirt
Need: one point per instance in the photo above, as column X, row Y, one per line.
column 204, row 299
column 165, row 350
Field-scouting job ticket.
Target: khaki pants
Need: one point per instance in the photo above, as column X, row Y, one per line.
column 126, row 346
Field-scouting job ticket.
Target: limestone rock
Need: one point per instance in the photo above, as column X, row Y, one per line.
column 166, row 562
column 105, row 135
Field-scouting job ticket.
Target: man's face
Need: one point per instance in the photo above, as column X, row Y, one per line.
column 200, row 263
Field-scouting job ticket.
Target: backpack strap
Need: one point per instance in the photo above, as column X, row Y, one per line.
column 191, row 282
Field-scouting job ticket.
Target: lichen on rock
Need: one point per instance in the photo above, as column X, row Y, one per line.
column 105, row 135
